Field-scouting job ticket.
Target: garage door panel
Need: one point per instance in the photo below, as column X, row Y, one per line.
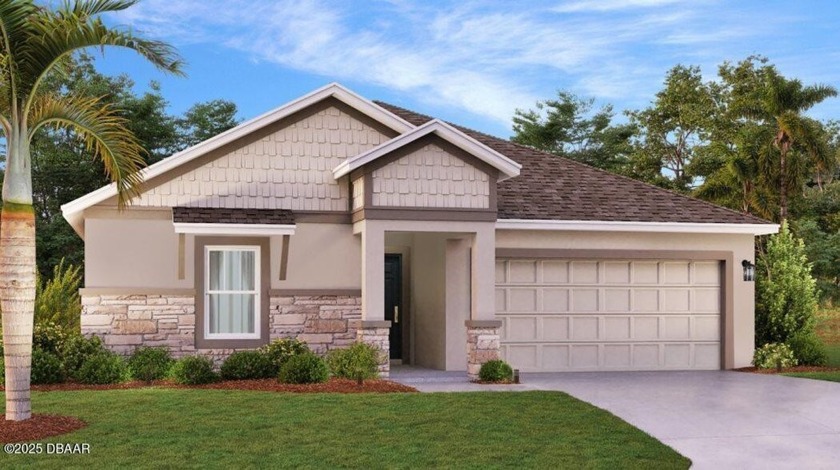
column 617, row 300
column 555, row 328
column 609, row 314
column 617, row 328
column 585, row 329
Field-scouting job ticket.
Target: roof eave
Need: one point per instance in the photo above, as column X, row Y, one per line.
column 626, row 226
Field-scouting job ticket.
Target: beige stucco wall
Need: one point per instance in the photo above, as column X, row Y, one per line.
column 431, row 177
column 290, row 168
column 428, row 300
column 143, row 253
column 741, row 246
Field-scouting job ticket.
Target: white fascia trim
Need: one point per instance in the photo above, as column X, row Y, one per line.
column 263, row 230
column 335, row 90
column 650, row 227
column 505, row 165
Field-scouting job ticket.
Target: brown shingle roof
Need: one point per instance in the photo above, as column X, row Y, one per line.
column 556, row 188
column 213, row 215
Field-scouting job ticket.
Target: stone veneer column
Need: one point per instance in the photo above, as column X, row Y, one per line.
column 482, row 344
column 375, row 333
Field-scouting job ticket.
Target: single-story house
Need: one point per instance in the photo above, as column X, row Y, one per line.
column 334, row 218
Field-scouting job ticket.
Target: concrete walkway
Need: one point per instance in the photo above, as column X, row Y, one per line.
column 718, row 419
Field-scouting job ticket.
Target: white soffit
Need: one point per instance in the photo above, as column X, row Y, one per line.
column 233, row 229
column 650, row 227
column 72, row 210
column 507, row 167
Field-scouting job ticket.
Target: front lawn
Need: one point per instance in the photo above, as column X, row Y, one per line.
column 831, row 376
column 828, row 330
column 154, row 427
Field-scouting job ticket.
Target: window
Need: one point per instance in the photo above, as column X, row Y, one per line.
column 232, row 292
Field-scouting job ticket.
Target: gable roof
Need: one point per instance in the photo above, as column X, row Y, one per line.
column 507, row 167
column 550, row 187
column 72, row 211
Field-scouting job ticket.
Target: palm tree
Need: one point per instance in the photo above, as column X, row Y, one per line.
column 33, row 42
column 780, row 103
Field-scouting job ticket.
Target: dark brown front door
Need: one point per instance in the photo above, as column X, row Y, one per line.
column 393, row 302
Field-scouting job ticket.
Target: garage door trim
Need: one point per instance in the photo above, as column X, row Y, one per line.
column 726, row 257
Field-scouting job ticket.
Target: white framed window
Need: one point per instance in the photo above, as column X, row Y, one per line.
column 232, row 292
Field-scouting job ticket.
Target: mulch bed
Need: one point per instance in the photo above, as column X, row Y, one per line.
column 786, row 370
column 37, row 427
column 264, row 385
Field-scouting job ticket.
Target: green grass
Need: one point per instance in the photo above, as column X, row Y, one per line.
column 830, row 376
column 153, row 428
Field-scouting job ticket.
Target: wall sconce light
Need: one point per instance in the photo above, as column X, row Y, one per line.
column 749, row 271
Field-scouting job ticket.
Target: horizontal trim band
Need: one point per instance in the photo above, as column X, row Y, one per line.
column 612, row 255
column 315, row 292
column 135, row 291
column 662, row 227
column 376, row 324
column 483, row 323
column 424, row 213
column 234, row 229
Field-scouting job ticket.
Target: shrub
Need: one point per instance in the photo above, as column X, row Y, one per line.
column 57, row 300
column 808, row 350
column 76, row 350
column 46, row 368
column 244, row 365
column 149, row 364
column 103, row 368
column 774, row 355
column 358, row 362
column 48, row 337
column 785, row 291
column 280, row 350
column 495, row 371
column 304, row 368
column 194, row 370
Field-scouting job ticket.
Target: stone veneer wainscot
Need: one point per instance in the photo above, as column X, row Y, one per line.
column 126, row 322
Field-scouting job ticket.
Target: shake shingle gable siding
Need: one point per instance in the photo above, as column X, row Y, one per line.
column 556, row 188
column 207, row 215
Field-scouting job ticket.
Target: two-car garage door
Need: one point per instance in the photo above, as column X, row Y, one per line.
column 585, row 315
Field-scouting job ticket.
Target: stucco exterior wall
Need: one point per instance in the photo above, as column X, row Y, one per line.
column 741, row 246
column 430, row 177
column 143, row 253
column 290, row 168
column 428, row 309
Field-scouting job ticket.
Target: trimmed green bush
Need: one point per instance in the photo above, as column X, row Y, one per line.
column 304, row 368
column 57, row 300
column 46, row 368
column 786, row 297
column 495, row 371
column 194, row 370
column 148, row 364
column 48, row 337
column 103, row 368
column 358, row 362
column 774, row 356
column 808, row 349
column 245, row 365
column 76, row 350
column 280, row 350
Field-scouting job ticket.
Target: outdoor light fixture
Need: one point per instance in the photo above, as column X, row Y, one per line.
column 749, row 270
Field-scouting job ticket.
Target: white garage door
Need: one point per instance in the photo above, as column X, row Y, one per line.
column 609, row 314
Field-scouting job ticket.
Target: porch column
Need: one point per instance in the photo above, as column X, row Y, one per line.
column 374, row 329
column 482, row 327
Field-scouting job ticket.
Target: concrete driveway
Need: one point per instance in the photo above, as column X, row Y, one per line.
column 720, row 420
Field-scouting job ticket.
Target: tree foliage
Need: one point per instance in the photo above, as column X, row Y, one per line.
column 786, row 297
column 569, row 126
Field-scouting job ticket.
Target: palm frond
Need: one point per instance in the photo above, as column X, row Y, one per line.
column 15, row 31
column 102, row 130
column 56, row 34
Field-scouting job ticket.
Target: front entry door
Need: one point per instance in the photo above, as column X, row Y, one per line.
column 393, row 302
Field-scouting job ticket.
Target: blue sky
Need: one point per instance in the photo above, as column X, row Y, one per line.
column 471, row 62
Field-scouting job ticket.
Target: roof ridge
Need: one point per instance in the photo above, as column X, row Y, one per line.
column 580, row 164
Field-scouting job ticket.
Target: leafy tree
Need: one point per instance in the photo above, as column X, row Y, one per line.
column 569, row 127
column 786, row 295
column 819, row 227
column 778, row 103
column 673, row 128
column 34, row 40
column 205, row 120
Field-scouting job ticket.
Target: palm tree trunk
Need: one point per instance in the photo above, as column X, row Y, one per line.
column 783, row 202
column 17, row 300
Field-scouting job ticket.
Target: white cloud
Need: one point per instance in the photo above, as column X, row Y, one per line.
column 485, row 57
